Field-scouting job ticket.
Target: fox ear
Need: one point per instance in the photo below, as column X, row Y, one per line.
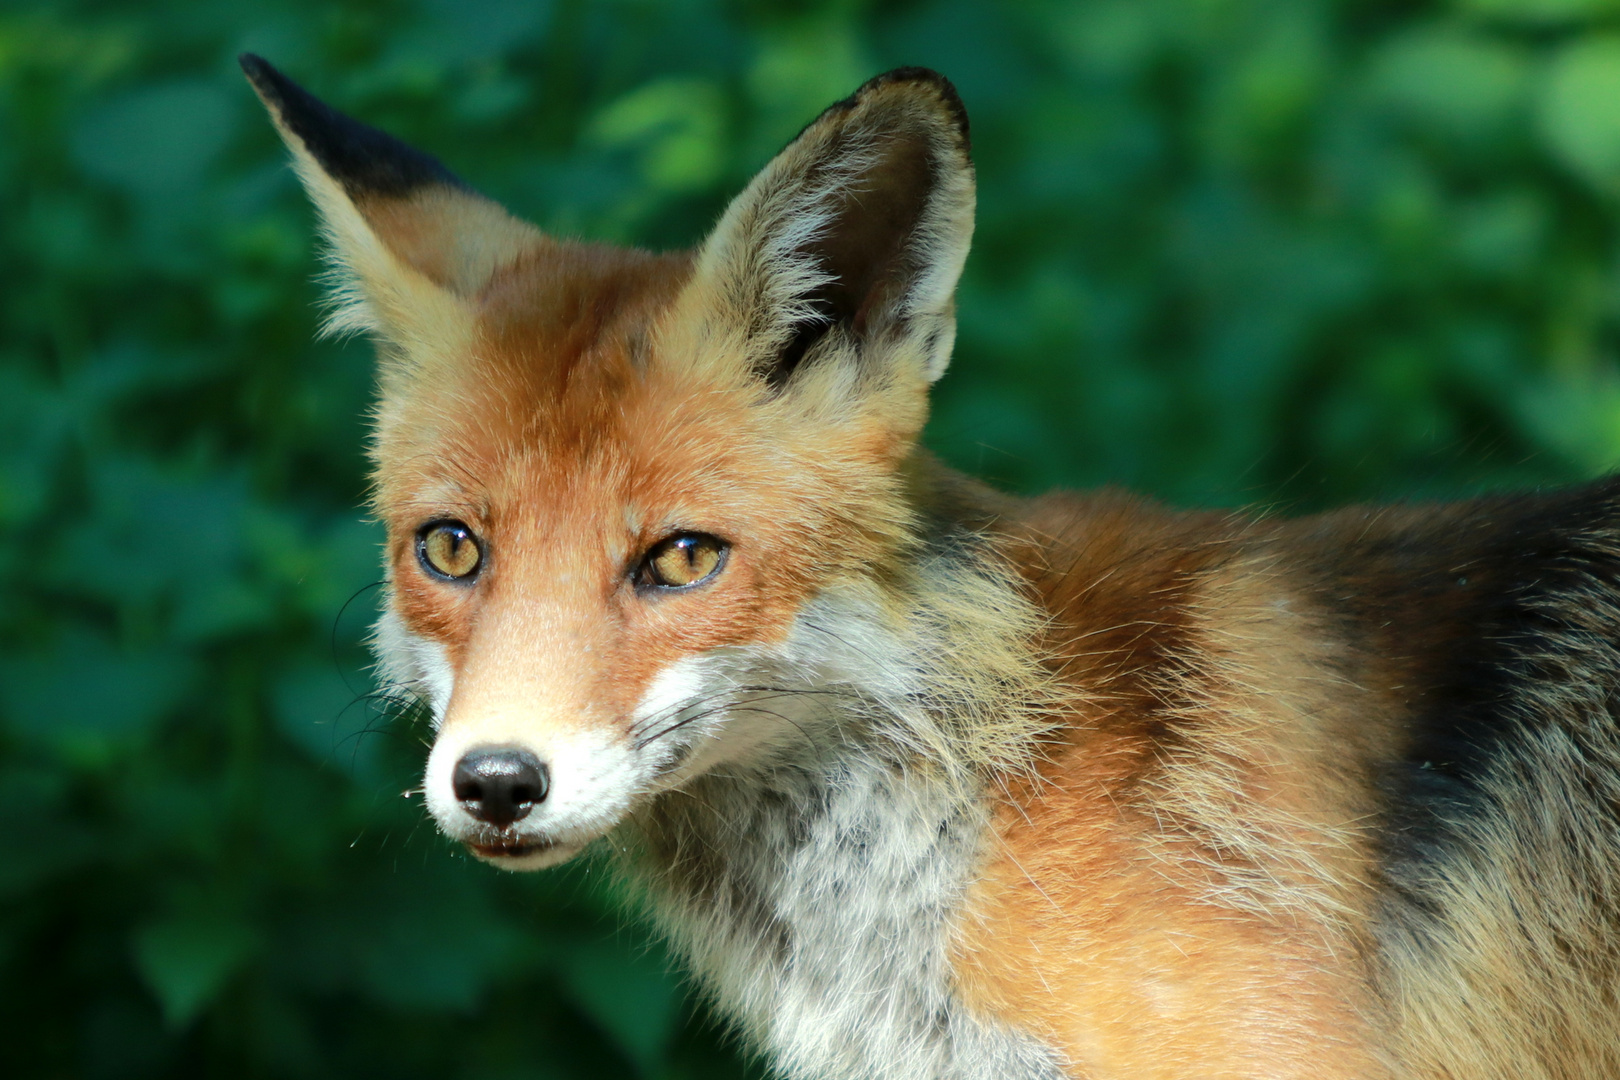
column 411, row 243
column 850, row 242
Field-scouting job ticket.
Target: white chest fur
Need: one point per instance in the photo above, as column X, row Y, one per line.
column 815, row 903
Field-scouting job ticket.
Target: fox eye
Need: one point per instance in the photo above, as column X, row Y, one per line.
column 682, row 560
column 448, row 549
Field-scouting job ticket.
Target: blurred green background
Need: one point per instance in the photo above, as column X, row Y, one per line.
column 1229, row 251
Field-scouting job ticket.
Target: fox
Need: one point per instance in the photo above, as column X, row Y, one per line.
column 923, row 781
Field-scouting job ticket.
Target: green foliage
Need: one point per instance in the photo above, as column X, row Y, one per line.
column 1285, row 251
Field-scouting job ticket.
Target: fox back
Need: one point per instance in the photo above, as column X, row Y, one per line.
column 922, row 780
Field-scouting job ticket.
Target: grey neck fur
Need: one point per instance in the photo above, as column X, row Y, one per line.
column 815, row 897
column 815, row 903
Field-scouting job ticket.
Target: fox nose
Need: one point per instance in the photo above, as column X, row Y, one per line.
column 499, row 784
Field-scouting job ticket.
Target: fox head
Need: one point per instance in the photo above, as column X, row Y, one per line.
column 637, row 503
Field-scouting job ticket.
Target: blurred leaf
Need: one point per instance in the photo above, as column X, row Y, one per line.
column 48, row 39
column 188, row 960
column 804, row 65
column 432, row 941
column 158, row 140
column 677, row 126
column 1578, row 416
column 1453, row 83
column 124, row 1036
column 1580, row 110
column 337, row 722
column 1267, row 94
column 330, row 566
column 473, row 30
column 84, row 695
column 158, row 542
column 34, row 424
column 1502, row 234
column 41, row 839
column 631, row 994
column 1540, row 12
column 1110, row 37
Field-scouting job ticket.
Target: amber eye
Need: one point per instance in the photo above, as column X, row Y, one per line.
column 448, row 549
column 682, row 560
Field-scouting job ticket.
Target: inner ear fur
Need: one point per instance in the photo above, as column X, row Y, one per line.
column 854, row 235
column 409, row 239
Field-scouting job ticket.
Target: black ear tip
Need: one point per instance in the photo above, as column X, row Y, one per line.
column 928, row 78
column 358, row 156
column 912, row 75
column 264, row 77
column 278, row 91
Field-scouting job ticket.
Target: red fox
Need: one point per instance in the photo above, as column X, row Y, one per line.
column 925, row 781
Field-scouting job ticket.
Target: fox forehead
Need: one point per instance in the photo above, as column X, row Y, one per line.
column 570, row 440
column 577, row 393
column 554, row 339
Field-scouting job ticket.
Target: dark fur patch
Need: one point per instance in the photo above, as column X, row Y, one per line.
column 806, row 335
column 1495, row 618
column 364, row 160
column 870, row 251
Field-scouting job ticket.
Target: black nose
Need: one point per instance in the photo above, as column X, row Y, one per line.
column 499, row 784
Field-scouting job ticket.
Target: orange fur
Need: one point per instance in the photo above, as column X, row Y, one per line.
column 1125, row 934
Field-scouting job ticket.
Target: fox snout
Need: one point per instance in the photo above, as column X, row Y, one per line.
column 499, row 785
column 523, row 804
column 494, row 791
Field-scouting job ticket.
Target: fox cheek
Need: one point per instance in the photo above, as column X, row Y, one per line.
column 438, row 678
column 412, row 663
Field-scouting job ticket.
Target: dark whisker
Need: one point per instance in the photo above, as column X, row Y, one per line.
column 646, row 741
column 337, row 619
column 676, row 709
column 392, row 704
column 679, row 707
column 395, row 703
column 768, row 693
column 746, row 705
column 810, row 625
column 823, row 692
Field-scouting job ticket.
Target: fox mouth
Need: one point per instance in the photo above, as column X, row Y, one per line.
column 499, row 848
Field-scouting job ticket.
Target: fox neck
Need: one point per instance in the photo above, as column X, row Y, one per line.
column 816, row 905
column 807, row 889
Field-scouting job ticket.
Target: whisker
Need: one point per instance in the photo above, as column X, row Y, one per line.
column 337, row 619
column 725, row 708
column 647, row 741
column 749, row 704
column 769, row 692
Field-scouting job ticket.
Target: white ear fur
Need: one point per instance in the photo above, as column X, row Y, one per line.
column 852, row 238
column 371, row 290
column 410, row 246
